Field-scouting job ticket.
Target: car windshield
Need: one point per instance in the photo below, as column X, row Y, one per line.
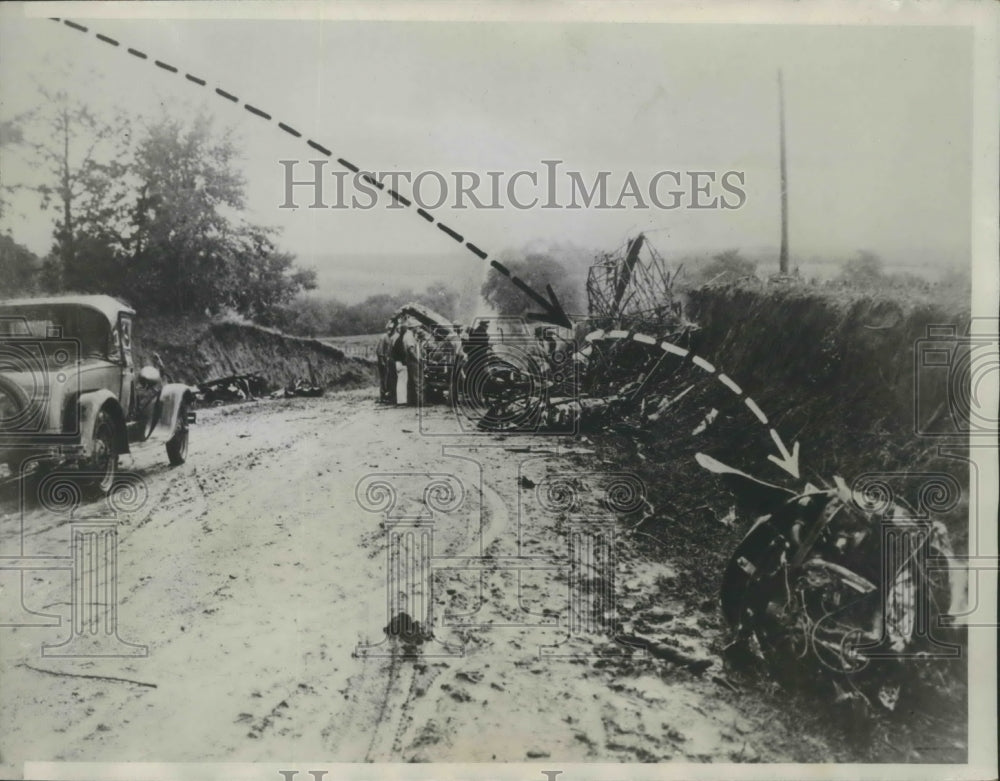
column 81, row 328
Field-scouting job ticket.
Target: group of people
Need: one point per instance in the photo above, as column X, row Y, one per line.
column 408, row 353
column 398, row 354
column 418, row 363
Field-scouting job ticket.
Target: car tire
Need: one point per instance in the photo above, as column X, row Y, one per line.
column 177, row 445
column 102, row 467
column 756, row 551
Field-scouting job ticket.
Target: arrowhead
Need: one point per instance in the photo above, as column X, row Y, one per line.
column 554, row 313
column 789, row 461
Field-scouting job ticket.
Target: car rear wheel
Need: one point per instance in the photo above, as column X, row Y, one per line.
column 177, row 445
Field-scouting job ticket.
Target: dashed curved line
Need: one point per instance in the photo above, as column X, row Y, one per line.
column 347, row 165
column 195, row 79
column 75, row 26
column 725, row 380
column 290, row 130
column 757, row 411
column 106, row 39
column 165, row 66
column 673, row 349
column 475, row 250
column 701, row 363
column 226, row 95
column 373, row 181
column 425, row 215
column 137, row 53
column 669, row 347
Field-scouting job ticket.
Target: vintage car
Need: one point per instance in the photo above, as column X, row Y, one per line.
column 70, row 393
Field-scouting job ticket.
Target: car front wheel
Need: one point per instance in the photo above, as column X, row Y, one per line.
column 102, row 467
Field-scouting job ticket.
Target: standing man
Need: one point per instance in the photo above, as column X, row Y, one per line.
column 414, row 373
column 382, row 349
column 478, row 342
column 458, row 367
column 397, row 356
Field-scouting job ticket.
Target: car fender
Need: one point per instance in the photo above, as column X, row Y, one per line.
column 89, row 405
column 172, row 397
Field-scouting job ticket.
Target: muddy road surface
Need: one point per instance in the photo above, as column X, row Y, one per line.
column 257, row 577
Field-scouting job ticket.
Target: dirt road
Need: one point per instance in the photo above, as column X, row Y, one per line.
column 258, row 583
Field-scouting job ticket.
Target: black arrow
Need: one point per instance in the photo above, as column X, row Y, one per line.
column 554, row 313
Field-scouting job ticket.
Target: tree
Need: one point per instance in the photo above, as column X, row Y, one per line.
column 313, row 316
column 155, row 220
column 19, row 268
column 182, row 246
column 10, row 135
column 264, row 279
column 190, row 250
column 441, row 298
column 306, row 316
column 537, row 270
column 82, row 158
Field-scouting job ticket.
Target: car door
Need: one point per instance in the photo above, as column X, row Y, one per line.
column 123, row 335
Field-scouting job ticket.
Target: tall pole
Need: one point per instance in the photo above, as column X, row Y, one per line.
column 783, row 257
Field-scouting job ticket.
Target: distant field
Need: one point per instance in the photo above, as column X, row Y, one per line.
column 358, row 346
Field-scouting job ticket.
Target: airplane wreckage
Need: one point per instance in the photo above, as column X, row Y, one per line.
column 827, row 584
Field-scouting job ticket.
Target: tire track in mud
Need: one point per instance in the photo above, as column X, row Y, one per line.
column 492, row 508
column 186, row 495
column 382, row 695
column 501, row 667
column 223, row 476
column 399, row 704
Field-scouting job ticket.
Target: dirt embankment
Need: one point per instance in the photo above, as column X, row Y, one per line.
column 198, row 350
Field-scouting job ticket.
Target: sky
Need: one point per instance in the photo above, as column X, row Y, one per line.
column 878, row 123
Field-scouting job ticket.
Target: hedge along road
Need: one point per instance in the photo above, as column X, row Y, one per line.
column 552, row 309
